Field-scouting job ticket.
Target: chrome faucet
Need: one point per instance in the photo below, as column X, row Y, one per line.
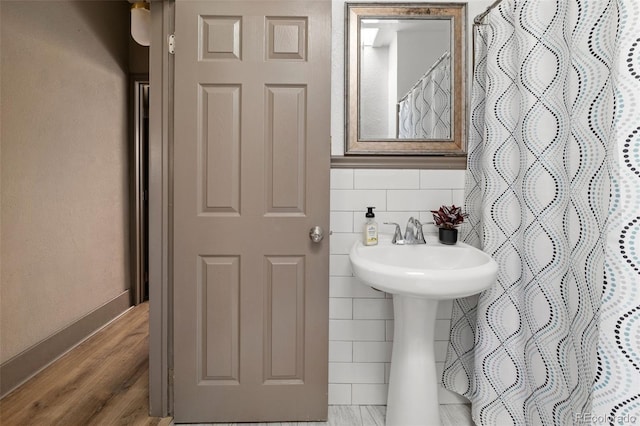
column 412, row 235
column 397, row 235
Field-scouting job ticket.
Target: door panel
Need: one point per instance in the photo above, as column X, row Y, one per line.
column 220, row 305
column 220, row 155
column 286, row 139
column 284, row 319
column 251, row 177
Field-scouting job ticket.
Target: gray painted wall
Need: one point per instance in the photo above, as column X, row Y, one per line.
column 64, row 171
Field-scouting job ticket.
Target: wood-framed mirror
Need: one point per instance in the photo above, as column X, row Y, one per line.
column 405, row 79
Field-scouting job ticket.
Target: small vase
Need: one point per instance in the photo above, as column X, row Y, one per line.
column 448, row 235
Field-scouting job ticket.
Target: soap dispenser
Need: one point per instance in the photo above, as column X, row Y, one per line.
column 370, row 228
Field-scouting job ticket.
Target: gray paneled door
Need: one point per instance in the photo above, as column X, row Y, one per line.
column 251, row 177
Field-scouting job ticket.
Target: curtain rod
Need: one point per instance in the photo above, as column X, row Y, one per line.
column 478, row 19
column 436, row 63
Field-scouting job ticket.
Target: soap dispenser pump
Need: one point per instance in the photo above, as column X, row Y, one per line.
column 370, row 228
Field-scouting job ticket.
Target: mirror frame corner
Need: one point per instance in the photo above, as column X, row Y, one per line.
column 380, row 149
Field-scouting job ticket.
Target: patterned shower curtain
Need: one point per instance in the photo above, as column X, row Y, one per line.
column 617, row 386
column 425, row 112
column 553, row 192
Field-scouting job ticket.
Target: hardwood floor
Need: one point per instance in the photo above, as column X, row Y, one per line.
column 104, row 381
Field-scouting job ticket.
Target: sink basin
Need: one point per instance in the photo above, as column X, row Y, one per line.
column 433, row 270
column 419, row 276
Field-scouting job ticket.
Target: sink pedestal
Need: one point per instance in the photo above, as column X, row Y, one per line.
column 413, row 385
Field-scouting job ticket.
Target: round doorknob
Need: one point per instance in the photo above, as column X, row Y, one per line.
column 316, row 234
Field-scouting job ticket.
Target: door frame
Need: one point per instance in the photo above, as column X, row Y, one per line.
column 139, row 84
column 160, row 196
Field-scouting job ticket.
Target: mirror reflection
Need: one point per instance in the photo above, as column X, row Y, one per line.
column 405, row 83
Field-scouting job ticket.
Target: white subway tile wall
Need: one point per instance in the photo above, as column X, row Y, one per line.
column 360, row 318
column 369, row 394
column 386, row 179
column 356, row 372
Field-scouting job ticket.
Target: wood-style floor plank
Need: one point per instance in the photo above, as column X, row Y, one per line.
column 103, row 381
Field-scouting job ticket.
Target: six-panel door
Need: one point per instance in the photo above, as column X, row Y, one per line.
column 251, row 177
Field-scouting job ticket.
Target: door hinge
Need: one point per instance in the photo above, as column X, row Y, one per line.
column 172, row 44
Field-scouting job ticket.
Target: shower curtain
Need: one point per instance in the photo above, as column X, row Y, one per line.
column 425, row 112
column 552, row 191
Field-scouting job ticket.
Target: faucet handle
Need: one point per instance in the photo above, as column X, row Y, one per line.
column 419, row 233
column 397, row 235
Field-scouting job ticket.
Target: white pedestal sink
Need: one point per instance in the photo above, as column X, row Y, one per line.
column 418, row 276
